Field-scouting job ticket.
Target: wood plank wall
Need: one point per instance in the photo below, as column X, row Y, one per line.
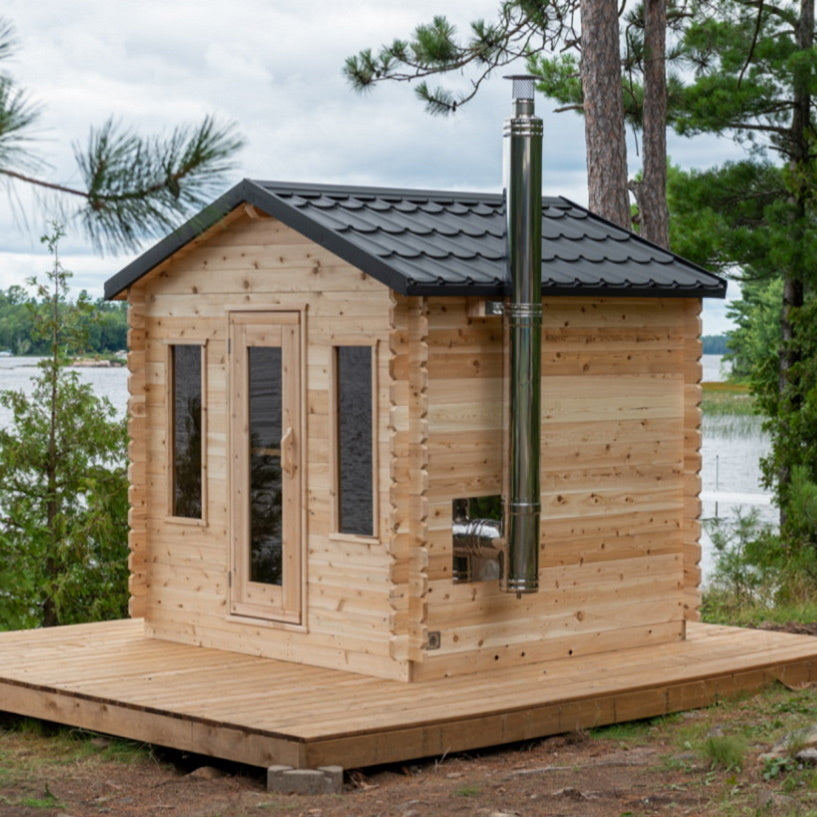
column 408, row 407
column 693, row 374
column 137, row 455
column 180, row 581
column 620, row 483
column 620, row 445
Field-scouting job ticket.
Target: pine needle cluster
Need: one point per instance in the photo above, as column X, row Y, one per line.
column 133, row 186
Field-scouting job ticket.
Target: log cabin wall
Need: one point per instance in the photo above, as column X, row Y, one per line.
column 620, row 454
column 137, row 456
column 409, row 479
column 352, row 619
column 620, row 439
column 693, row 374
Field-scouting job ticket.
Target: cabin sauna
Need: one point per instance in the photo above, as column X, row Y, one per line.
column 303, row 435
column 319, row 427
column 325, row 386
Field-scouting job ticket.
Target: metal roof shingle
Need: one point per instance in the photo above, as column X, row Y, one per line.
column 425, row 242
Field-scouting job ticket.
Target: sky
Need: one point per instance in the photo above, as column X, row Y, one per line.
column 273, row 67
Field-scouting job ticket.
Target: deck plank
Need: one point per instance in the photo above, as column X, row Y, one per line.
column 113, row 678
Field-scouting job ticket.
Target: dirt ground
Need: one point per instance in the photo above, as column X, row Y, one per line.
column 706, row 762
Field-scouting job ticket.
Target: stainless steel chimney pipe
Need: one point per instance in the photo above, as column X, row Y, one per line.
column 523, row 204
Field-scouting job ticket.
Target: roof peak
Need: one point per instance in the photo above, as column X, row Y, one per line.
column 402, row 193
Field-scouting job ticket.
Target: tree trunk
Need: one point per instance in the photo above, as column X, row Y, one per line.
column 651, row 193
column 604, row 111
column 793, row 287
column 49, row 606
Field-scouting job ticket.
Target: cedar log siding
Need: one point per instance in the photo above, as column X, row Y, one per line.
column 693, row 374
column 137, row 457
column 620, row 466
column 620, row 460
column 182, row 587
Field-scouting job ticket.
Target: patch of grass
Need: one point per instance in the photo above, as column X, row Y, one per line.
column 46, row 800
column 34, row 726
column 40, row 802
column 119, row 750
column 727, row 399
column 722, row 607
column 724, row 387
column 468, row 791
column 29, row 748
column 632, row 731
column 628, row 731
column 724, row 752
column 796, row 703
column 692, row 734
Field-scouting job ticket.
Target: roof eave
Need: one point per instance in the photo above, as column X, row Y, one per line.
column 172, row 243
column 606, row 291
column 248, row 191
column 265, row 197
column 566, row 290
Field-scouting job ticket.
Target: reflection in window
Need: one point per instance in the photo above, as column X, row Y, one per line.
column 266, row 498
column 477, row 526
column 354, row 440
column 186, row 431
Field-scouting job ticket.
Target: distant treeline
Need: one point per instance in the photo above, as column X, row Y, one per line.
column 715, row 344
column 105, row 327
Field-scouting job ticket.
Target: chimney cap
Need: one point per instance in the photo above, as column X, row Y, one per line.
column 523, row 85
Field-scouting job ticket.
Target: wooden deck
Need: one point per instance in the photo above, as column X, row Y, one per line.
column 111, row 678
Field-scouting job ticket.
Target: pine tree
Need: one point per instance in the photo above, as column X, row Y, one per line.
column 582, row 69
column 132, row 185
column 755, row 76
column 63, row 482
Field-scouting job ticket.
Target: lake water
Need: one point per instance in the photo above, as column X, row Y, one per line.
column 112, row 382
column 731, row 450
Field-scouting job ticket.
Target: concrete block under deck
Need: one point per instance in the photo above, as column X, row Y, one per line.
column 112, row 678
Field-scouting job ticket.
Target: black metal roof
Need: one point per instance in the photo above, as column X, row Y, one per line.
column 431, row 242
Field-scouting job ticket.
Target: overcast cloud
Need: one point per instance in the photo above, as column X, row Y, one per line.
column 274, row 68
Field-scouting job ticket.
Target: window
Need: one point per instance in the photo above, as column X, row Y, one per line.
column 186, row 431
column 264, row 376
column 477, row 529
column 354, row 482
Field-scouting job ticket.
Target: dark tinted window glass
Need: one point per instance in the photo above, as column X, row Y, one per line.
column 186, row 382
column 266, row 506
column 354, row 374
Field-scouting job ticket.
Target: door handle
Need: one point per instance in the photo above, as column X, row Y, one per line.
column 289, row 453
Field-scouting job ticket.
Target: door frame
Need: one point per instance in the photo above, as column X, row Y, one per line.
column 282, row 604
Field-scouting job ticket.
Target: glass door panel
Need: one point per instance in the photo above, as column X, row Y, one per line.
column 265, row 485
column 265, row 418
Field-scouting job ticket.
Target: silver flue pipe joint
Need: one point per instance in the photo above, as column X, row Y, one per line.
column 523, row 203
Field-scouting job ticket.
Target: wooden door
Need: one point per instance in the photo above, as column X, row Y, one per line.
column 265, row 418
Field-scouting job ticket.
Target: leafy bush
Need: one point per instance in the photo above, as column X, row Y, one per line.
column 757, row 576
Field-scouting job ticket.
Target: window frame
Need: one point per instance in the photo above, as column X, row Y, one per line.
column 269, row 604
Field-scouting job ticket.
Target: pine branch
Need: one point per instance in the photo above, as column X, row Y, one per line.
column 132, row 186
column 524, row 26
column 17, row 115
column 59, row 188
column 136, row 186
column 8, row 39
